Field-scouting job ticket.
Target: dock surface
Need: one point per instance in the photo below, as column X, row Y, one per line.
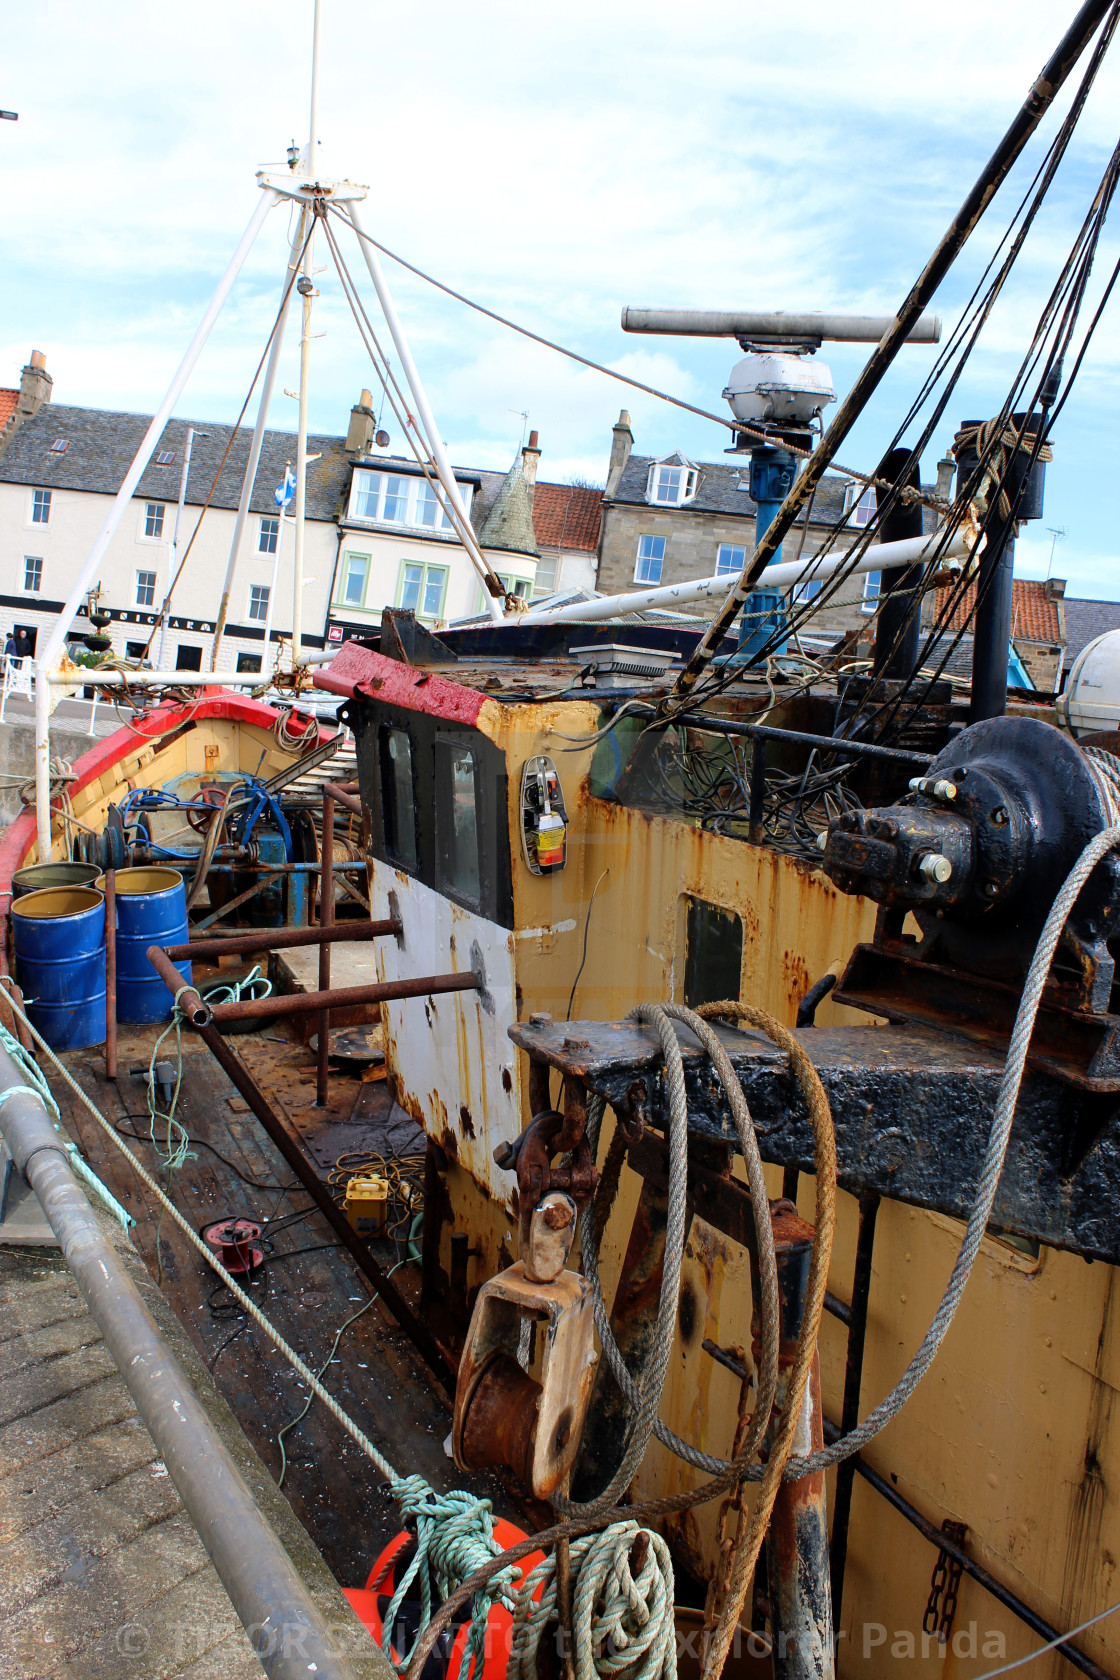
column 102, row 1573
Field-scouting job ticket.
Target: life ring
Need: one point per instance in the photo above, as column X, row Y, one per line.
column 371, row 1602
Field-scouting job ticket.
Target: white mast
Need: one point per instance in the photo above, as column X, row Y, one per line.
column 306, row 288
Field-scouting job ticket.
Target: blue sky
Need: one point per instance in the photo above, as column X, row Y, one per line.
column 556, row 163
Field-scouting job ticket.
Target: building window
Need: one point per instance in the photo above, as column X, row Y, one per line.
column 394, row 504
column 60, row 446
column 258, row 601
column 40, row 507
column 136, row 650
column 545, row 581
column 398, row 797
column 730, row 560
column 153, row 520
column 808, row 589
column 651, row 558
column 188, row 658
column 427, row 508
column 269, row 536
column 145, row 589
column 863, row 510
column 33, row 573
column 671, row 483
column 165, row 458
column 355, row 570
column 422, row 589
column 871, row 582
column 400, row 499
column 249, row 663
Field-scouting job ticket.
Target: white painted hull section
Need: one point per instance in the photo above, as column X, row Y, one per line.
column 457, row 1069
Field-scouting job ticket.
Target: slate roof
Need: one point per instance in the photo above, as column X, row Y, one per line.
column 508, row 527
column 718, row 490
column 102, row 443
column 1085, row 620
column 8, row 400
column 567, row 516
column 1034, row 615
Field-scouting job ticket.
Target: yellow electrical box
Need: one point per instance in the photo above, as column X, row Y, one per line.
column 367, row 1204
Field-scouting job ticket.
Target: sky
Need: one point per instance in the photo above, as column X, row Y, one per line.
column 555, row 163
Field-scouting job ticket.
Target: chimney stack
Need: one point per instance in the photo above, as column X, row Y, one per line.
column 34, row 386
column 621, row 444
column 945, row 470
column 530, row 458
column 362, row 425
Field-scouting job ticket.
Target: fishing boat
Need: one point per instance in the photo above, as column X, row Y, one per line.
column 713, row 1083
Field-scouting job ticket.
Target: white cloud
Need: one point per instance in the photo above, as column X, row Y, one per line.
column 556, row 164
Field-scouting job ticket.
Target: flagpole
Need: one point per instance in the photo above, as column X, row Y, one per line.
column 284, row 492
column 266, row 669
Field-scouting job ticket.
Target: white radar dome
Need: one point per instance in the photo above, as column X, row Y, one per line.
column 779, row 387
column 1091, row 698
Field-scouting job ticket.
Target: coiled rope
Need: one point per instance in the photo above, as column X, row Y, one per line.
column 1006, row 440
column 622, row 1613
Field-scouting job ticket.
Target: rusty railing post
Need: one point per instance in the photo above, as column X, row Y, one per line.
column 797, row 1562
column 326, row 917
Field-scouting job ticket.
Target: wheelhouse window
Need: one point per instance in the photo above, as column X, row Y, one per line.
column 268, row 536
column 355, row 570
column 651, row 558
column 258, row 601
column 33, row 573
column 153, row 520
column 145, row 589
column 422, row 589
column 398, row 797
column 457, row 821
column 871, row 586
column 40, row 507
column 402, row 499
column 730, row 559
column 671, row 483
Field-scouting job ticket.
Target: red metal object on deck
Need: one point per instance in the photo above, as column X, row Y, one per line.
column 232, row 1241
column 371, row 1603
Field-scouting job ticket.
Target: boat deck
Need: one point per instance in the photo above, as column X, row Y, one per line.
column 308, row 1286
column 101, row 1570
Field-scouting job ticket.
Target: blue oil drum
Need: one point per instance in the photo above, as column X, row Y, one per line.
column 39, row 876
column 151, row 910
column 59, row 938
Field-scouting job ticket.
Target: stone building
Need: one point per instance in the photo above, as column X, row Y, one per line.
column 669, row 519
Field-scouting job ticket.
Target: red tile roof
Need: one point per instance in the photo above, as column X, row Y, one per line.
column 566, row 516
column 1034, row 615
column 8, row 400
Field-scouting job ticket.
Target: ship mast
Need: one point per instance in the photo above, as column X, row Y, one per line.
column 305, row 285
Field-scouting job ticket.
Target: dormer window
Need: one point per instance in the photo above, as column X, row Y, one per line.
column 165, row 458
column 671, row 483
column 862, row 511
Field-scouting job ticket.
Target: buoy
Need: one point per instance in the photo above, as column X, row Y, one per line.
column 371, row 1602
